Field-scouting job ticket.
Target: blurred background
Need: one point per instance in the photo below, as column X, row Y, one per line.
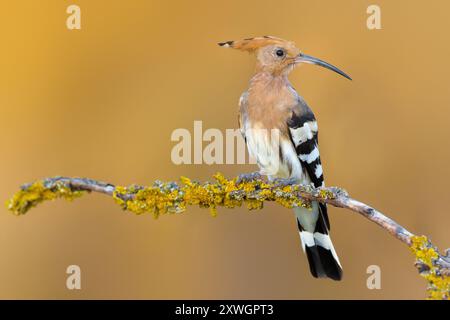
column 102, row 102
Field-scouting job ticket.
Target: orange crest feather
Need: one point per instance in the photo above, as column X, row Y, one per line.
column 253, row 44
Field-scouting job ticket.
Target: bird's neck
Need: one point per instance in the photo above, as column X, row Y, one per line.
column 269, row 81
column 267, row 90
column 266, row 83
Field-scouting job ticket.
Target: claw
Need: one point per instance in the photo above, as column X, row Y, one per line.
column 247, row 177
column 280, row 182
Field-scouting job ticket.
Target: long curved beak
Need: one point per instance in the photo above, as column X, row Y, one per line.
column 309, row 59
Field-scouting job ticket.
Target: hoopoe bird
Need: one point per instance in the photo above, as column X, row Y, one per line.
column 281, row 133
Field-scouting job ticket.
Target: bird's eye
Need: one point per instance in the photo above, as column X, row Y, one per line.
column 279, row 53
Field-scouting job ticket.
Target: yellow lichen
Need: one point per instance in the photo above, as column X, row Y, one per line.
column 37, row 192
column 163, row 198
column 228, row 193
column 326, row 194
column 426, row 255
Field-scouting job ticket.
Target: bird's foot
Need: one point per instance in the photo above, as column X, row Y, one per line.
column 280, row 182
column 247, row 177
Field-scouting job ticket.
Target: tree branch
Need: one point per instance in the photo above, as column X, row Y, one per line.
column 249, row 189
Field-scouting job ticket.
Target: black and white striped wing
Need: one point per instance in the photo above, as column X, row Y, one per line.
column 304, row 136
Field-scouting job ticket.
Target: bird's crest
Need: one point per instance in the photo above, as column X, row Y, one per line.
column 253, row 44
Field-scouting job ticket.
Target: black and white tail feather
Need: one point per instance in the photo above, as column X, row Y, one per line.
column 313, row 224
column 316, row 243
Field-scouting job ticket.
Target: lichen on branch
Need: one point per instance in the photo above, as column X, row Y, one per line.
column 429, row 262
column 250, row 190
column 35, row 193
column 174, row 198
column 169, row 197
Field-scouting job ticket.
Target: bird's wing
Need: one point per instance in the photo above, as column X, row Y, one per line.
column 303, row 132
column 304, row 135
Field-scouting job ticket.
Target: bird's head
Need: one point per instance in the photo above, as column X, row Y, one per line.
column 276, row 55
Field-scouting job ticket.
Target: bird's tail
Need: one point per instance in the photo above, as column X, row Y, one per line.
column 313, row 227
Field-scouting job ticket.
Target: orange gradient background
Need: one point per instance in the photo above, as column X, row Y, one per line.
column 102, row 102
